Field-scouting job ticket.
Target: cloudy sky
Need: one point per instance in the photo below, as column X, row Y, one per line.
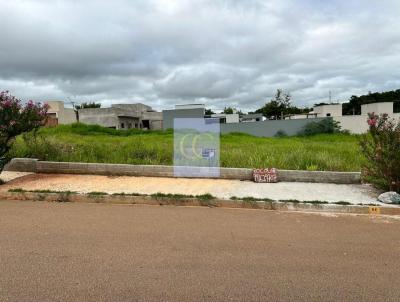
column 218, row 52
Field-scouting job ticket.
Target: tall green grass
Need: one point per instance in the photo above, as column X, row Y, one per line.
column 84, row 143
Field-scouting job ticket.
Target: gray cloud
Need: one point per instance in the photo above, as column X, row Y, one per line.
column 163, row 52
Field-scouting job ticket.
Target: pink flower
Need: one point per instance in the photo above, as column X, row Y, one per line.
column 30, row 105
column 372, row 122
column 7, row 103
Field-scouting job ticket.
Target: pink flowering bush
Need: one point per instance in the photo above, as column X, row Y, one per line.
column 381, row 147
column 15, row 119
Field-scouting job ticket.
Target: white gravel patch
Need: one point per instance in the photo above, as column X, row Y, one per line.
column 221, row 188
column 9, row 175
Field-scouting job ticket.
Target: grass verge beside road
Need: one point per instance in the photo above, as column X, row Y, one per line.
column 82, row 143
column 181, row 198
column 205, row 200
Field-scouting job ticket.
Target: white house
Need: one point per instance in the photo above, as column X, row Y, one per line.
column 190, row 106
column 327, row 110
column 226, row 118
column 386, row 107
column 357, row 124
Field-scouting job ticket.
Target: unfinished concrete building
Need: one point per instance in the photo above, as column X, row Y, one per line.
column 59, row 115
column 123, row 116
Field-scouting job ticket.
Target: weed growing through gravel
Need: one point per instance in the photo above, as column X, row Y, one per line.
column 51, row 191
column 94, row 193
column 127, row 194
column 17, row 190
column 205, row 199
column 342, row 203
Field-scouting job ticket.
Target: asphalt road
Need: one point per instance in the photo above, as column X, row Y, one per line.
column 99, row 252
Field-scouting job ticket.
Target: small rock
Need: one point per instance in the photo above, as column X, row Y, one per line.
column 389, row 197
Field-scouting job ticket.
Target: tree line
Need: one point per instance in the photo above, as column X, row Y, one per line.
column 281, row 105
column 277, row 108
column 353, row 106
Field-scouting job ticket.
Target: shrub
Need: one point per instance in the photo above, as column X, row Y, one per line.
column 381, row 147
column 3, row 161
column 16, row 119
column 41, row 147
column 280, row 133
column 327, row 125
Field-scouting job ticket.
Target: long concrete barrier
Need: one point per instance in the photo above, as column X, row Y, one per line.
column 37, row 166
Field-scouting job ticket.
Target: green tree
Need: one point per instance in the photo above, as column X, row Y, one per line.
column 229, row 110
column 85, row 105
column 209, row 112
column 232, row 110
column 278, row 107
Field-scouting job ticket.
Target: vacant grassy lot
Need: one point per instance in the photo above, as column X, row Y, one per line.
column 334, row 152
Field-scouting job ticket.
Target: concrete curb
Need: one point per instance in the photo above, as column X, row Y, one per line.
column 193, row 201
column 36, row 166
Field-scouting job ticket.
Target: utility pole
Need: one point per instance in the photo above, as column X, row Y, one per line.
column 330, row 97
column 74, row 108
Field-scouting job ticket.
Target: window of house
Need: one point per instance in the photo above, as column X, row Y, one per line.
column 122, row 125
column 328, row 114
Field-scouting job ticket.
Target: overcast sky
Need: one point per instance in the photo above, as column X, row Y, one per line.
column 166, row 52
